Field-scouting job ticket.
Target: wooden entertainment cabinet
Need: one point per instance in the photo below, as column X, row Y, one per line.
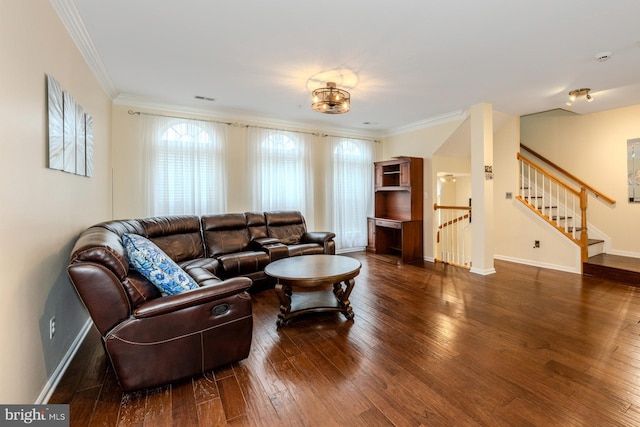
column 397, row 225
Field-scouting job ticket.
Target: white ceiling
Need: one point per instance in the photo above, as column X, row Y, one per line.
column 414, row 60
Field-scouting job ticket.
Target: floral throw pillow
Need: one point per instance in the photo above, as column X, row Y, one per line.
column 156, row 266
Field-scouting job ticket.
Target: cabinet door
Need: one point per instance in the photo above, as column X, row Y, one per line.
column 378, row 176
column 371, row 234
column 405, row 174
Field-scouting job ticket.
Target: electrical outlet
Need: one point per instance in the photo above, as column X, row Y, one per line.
column 52, row 327
column 508, row 195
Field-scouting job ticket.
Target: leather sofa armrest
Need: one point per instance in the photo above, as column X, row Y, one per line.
column 272, row 246
column 260, row 243
column 322, row 238
column 202, row 295
column 277, row 251
column 319, row 237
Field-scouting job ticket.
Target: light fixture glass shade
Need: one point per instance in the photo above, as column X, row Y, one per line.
column 330, row 100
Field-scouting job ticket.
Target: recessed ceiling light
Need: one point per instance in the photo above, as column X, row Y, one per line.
column 603, row 56
column 204, row 98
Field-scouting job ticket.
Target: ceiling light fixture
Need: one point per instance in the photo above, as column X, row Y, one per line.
column 330, row 99
column 448, row 178
column 579, row 92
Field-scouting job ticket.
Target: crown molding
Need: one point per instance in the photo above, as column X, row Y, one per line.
column 457, row 115
column 70, row 17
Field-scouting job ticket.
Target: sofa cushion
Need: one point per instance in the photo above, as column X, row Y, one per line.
column 305, row 249
column 178, row 236
column 156, row 266
column 225, row 233
column 257, row 225
column 139, row 288
column 203, row 270
column 240, row 263
column 103, row 247
column 286, row 226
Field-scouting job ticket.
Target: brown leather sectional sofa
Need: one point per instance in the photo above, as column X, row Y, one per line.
column 153, row 339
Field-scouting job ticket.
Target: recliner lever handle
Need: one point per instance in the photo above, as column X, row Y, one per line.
column 220, row 309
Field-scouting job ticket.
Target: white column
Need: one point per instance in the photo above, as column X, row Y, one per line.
column 481, row 116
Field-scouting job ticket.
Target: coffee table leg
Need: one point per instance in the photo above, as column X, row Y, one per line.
column 284, row 295
column 342, row 295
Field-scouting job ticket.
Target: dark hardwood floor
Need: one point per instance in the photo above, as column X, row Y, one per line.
column 430, row 345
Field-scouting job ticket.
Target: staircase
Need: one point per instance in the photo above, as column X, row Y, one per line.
column 561, row 200
column 564, row 222
column 595, row 247
column 555, row 201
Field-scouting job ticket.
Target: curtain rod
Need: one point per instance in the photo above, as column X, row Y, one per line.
column 243, row 125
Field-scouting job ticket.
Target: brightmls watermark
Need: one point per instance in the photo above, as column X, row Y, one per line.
column 34, row 415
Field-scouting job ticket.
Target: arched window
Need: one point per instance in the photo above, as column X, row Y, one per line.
column 281, row 171
column 351, row 198
column 186, row 174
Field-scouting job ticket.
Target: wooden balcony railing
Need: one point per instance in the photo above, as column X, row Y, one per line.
column 453, row 240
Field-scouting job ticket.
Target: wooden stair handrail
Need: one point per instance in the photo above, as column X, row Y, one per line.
column 595, row 192
column 548, row 174
column 582, row 242
column 437, row 206
column 453, row 221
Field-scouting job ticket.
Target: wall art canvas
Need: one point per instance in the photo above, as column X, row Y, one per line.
column 69, row 145
column 70, row 132
column 89, row 144
column 81, row 159
column 56, row 151
column 633, row 170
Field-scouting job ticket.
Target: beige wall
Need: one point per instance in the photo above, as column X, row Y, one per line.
column 593, row 148
column 515, row 226
column 43, row 210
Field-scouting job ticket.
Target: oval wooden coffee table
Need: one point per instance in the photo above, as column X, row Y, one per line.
column 324, row 283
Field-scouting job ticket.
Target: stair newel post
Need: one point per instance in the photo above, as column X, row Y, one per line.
column 584, row 240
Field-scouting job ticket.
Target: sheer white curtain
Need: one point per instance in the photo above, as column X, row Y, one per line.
column 280, row 163
column 350, row 199
column 185, row 166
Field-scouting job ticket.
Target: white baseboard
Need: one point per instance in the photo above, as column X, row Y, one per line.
column 537, row 264
column 623, row 253
column 347, row 250
column 484, row 272
column 57, row 374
